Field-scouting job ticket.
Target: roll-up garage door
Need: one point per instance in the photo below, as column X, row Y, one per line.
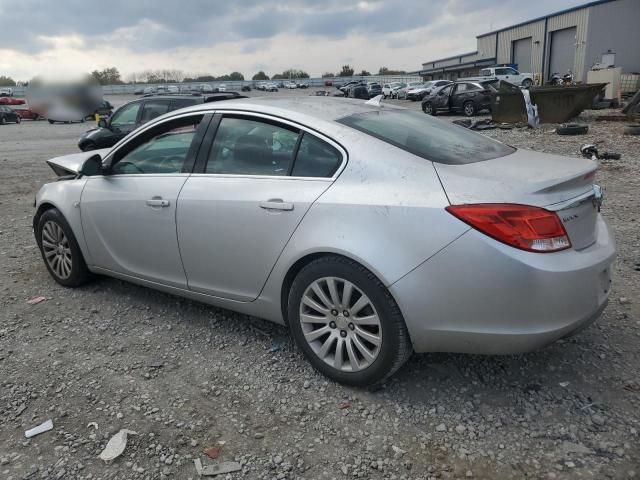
column 563, row 51
column 522, row 54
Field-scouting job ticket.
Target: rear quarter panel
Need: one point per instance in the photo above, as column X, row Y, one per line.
column 386, row 211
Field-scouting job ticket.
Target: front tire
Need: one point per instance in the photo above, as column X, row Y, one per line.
column 427, row 107
column 526, row 83
column 469, row 109
column 60, row 250
column 18, row 119
column 346, row 322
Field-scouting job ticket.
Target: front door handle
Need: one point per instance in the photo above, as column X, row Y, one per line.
column 276, row 204
column 157, row 202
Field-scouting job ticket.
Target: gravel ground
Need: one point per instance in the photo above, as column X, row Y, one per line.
column 186, row 376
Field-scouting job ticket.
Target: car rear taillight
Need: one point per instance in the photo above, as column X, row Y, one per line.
column 521, row 226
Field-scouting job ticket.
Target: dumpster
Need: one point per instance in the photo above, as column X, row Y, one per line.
column 556, row 104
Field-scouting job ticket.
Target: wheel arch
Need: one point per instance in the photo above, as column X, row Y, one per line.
column 305, row 260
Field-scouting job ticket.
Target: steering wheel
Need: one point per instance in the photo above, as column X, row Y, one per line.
column 174, row 162
column 126, row 164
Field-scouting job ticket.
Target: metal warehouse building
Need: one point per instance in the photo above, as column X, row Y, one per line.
column 572, row 39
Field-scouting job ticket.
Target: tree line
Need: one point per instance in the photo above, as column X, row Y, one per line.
column 112, row 76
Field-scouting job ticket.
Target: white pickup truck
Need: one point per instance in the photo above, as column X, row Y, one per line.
column 507, row 74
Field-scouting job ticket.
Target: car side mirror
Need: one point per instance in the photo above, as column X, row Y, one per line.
column 102, row 123
column 92, row 166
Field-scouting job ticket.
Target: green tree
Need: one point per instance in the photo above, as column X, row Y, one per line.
column 236, row 76
column 7, row 81
column 260, row 76
column 386, row 71
column 364, row 73
column 347, row 71
column 328, row 75
column 107, row 76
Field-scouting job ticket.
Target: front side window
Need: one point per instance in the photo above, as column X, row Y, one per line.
column 162, row 150
column 427, row 137
column 316, row 158
column 126, row 116
column 153, row 109
column 446, row 90
column 246, row 146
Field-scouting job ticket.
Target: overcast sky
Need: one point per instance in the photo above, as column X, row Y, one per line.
column 64, row 37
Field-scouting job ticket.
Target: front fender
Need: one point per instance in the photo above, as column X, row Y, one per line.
column 65, row 196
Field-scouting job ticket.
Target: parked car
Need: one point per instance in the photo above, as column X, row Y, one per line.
column 130, row 116
column 271, row 87
column 374, row 89
column 6, row 91
column 64, row 113
column 358, row 91
column 28, row 114
column 401, row 93
column 418, row 93
column 290, row 85
column 302, row 85
column 149, row 91
column 466, row 97
column 328, row 83
column 344, row 88
column 222, row 88
column 507, row 74
column 7, row 115
column 262, row 86
column 173, row 89
column 246, row 88
column 12, row 101
column 389, row 89
column 138, row 90
column 431, row 237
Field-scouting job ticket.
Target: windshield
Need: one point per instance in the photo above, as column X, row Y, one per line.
column 427, row 137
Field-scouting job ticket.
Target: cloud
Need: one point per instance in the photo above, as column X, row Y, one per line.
column 218, row 37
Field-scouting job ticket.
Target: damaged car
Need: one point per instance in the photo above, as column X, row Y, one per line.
column 370, row 231
column 460, row 97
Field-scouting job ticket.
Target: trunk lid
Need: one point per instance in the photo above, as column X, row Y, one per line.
column 71, row 164
column 561, row 184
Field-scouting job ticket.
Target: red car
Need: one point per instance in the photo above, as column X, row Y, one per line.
column 28, row 114
column 11, row 101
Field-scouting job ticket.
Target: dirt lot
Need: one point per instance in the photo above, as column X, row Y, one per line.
column 186, row 376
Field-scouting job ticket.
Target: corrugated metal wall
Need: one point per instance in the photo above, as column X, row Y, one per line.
column 505, row 43
column 487, row 46
column 580, row 20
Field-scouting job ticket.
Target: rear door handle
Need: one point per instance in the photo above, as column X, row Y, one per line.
column 157, row 202
column 276, row 204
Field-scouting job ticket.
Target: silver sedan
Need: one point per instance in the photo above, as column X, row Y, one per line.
column 369, row 230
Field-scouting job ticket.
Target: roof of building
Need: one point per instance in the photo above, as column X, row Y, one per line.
column 493, row 32
column 544, row 17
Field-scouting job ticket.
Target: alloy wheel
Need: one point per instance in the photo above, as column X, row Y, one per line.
column 56, row 249
column 469, row 109
column 340, row 324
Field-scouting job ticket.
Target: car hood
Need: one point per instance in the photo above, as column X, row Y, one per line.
column 71, row 164
column 95, row 132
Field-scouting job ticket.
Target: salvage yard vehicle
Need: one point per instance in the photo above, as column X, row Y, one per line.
column 6, row 91
column 7, row 115
column 133, row 114
column 421, row 91
column 12, row 101
column 371, row 231
column 402, row 92
column 390, row 89
column 28, row 113
column 466, row 97
column 507, row 74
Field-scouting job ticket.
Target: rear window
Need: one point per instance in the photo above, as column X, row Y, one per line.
column 435, row 140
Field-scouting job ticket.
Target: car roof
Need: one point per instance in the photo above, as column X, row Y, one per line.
column 294, row 108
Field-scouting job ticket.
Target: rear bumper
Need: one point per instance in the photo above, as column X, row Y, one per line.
column 481, row 296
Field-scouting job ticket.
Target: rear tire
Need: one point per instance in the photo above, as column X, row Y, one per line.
column 3, row 121
column 372, row 322
column 51, row 121
column 18, row 119
column 526, row 83
column 60, row 251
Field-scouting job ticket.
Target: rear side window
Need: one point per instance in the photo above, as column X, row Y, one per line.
column 182, row 102
column 427, row 137
column 153, row 109
column 315, row 158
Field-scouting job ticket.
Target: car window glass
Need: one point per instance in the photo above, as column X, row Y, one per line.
column 446, row 90
column 126, row 115
column 164, row 152
column 182, row 102
column 315, row 158
column 426, row 137
column 153, row 109
column 461, row 87
column 250, row 147
column 511, row 71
